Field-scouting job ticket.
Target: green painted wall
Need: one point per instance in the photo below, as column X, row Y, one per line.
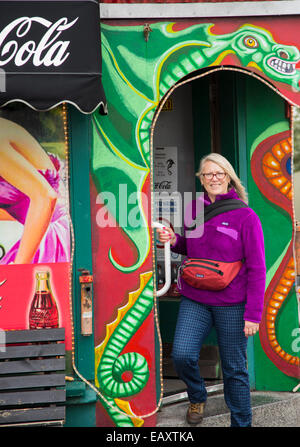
column 80, row 398
column 265, row 111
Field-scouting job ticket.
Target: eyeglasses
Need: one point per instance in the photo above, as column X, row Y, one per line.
column 211, row 175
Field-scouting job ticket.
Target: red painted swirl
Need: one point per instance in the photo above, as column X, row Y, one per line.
column 269, row 170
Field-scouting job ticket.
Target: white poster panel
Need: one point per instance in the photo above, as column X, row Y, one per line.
column 168, row 209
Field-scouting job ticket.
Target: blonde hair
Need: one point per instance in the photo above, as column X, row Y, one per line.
column 235, row 182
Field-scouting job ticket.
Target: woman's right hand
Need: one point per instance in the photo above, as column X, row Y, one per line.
column 166, row 234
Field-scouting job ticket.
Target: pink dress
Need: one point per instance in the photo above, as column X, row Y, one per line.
column 55, row 245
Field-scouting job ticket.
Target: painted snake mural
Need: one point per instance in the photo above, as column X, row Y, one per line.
column 271, row 170
column 137, row 74
column 112, row 368
column 138, row 78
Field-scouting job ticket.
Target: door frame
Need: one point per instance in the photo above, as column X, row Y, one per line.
column 241, row 135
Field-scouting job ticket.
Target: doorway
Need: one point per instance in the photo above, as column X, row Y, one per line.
column 224, row 111
column 199, row 117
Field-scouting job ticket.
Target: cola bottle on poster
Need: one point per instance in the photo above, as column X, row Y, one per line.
column 43, row 310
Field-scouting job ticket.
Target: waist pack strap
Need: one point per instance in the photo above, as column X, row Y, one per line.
column 216, row 208
column 221, row 206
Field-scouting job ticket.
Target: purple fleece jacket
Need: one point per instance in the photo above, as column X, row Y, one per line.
column 229, row 237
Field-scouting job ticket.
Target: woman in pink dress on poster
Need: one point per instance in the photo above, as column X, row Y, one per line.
column 30, row 194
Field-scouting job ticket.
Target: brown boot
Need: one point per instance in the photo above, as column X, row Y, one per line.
column 195, row 413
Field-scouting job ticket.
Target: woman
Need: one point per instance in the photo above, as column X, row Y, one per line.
column 234, row 311
column 29, row 194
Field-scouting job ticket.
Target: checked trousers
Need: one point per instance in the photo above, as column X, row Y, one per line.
column 194, row 323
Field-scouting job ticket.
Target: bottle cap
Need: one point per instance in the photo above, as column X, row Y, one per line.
column 42, row 275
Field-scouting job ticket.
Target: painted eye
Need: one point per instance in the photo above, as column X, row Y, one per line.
column 250, row 42
column 283, row 54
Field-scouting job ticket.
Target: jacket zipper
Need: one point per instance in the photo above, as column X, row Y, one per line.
column 204, row 266
column 215, row 264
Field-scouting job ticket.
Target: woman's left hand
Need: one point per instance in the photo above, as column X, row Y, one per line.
column 250, row 328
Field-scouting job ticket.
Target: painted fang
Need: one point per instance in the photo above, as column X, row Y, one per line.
column 281, row 66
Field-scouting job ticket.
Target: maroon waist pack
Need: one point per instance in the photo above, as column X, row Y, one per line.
column 208, row 274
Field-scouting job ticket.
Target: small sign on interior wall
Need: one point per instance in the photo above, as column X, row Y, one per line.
column 167, row 199
column 168, row 105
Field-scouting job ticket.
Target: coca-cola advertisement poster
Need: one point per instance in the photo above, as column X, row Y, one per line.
column 34, row 220
column 167, row 199
column 165, row 169
column 50, row 52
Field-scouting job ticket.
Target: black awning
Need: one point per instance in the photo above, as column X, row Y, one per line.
column 50, row 52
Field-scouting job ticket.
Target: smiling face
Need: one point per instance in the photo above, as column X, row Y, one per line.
column 256, row 48
column 214, row 184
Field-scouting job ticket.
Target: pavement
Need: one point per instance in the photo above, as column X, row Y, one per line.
column 270, row 409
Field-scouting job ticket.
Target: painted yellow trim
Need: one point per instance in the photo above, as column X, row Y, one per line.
column 245, row 25
column 221, row 57
column 169, row 28
column 138, row 130
column 126, row 80
column 119, row 154
column 254, row 65
column 126, row 407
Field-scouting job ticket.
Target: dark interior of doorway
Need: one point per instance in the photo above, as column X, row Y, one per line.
column 201, row 116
